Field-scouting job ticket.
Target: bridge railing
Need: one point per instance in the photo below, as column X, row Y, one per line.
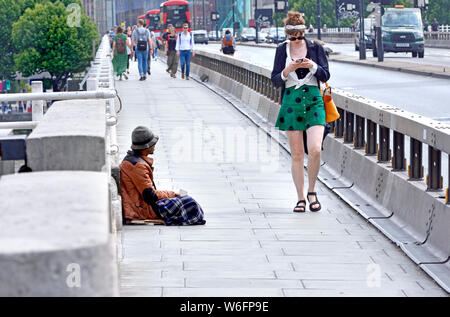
column 365, row 162
column 70, row 207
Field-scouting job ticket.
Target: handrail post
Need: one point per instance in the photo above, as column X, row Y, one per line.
column 434, row 178
column 37, row 105
column 360, row 133
column 415, row 169
column 398, row 160
column 384, row 152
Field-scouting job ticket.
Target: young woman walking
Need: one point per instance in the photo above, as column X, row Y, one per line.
column 171, row 52
column 120, row 54
column 299, row 66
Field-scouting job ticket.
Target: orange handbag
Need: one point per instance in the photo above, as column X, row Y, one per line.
column 331, row 111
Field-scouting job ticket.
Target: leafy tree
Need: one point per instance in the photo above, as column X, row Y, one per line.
column 439, row 10
column 46, row 41
column 10, row 12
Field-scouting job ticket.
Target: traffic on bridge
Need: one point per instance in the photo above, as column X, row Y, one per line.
column 225, row 149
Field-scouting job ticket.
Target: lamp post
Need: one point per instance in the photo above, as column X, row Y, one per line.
column 319, row 34
column 234, row 18
column 204, row 16
column 280, row 6
column 256, row 22
column 362, row 41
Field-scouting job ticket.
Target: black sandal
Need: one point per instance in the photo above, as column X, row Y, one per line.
column 314, row 203
column 302, row 208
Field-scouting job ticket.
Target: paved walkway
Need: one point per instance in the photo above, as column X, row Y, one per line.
column 253, row 244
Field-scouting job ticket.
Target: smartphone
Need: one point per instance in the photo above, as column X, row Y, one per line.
column 300, row 60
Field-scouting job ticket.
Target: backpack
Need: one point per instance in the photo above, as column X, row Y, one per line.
column 228, row 40
column 120, row 45
column 142, row 40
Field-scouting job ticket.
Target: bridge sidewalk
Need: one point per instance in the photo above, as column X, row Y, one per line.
column 253, row 244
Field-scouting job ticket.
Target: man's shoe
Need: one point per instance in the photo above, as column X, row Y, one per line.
column 142, row 78
column 182, row 76
column 187, row 77
column 145, row 77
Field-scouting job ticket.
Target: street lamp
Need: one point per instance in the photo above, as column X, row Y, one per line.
column 280, row 6
column 215, row 16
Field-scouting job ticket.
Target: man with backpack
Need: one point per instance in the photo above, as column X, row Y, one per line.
column 143, row 42
column 185, row 50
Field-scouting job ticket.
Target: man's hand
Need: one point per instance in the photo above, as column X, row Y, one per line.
column 178, row 53
column 193, row 54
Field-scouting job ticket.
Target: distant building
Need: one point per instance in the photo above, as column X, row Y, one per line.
column 129, row 10
column 102, row 12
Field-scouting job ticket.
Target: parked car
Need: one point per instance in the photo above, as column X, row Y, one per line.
column 261, row 37
column 200, row 36
column 214, row 36
column 263, row 33
column 248, row 34
column 272, row 36
column 368, row 26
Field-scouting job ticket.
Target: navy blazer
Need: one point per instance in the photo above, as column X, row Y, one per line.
column 315, row 52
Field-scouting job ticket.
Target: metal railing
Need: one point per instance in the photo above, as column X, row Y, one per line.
column 100, row 85
column 368, row 125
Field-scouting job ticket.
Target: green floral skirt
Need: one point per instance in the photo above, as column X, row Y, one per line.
column 301, row 109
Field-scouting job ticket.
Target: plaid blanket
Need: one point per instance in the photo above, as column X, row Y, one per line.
column 181, row 211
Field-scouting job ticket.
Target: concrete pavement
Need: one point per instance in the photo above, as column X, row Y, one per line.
column 253, row 244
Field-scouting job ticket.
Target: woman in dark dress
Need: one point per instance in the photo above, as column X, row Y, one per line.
column 299, row 66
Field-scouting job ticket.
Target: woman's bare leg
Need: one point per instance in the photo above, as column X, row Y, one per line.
column 297, row 156
column 315, row 137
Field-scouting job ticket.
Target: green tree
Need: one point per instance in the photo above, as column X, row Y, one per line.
column 10, row 12
column 439, row 10
column 48, row 41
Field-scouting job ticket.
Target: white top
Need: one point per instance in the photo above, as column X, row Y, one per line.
column 128, row 43
column 292, row 79
column 185, row 42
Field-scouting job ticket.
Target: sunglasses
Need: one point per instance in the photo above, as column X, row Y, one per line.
column 296, row 38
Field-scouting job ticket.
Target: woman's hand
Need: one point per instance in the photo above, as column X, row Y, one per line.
column 307, row 63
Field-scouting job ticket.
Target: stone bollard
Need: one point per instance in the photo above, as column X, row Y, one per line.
column 54, row 235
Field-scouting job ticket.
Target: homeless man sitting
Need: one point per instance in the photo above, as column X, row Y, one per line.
column 139, row 193
column 141, row 200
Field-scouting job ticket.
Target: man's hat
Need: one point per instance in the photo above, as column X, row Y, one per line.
column 142, row 138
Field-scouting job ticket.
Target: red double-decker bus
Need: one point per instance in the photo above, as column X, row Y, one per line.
column 152, row 20
column 175, row 12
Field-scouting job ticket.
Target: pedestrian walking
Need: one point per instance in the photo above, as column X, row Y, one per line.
column 185, row 50
column 155, row 46
column 298, row 67
column 120, row 53
column 435, row 28
column 130, row 50
column 141, row 39
column 228, row 44
column 150, row 56
column 171, row 52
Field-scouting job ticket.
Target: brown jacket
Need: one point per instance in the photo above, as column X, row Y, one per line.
column 138, row 188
